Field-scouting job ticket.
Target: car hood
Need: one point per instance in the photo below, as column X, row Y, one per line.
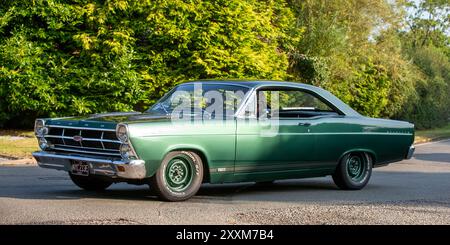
column 106, row 120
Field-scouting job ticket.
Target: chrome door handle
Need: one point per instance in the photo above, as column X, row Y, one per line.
column 304, row 124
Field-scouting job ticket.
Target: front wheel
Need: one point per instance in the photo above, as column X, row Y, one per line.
column 179, row 177
column 353, row 171
column 89, row 183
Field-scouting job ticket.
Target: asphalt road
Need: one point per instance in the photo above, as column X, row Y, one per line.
column 415, row 191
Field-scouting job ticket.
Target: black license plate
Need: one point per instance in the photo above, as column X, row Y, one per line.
column 80, row 168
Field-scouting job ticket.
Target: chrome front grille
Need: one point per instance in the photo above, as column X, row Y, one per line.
column 93, row 140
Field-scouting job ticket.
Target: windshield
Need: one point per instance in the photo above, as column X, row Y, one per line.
column 194, row 99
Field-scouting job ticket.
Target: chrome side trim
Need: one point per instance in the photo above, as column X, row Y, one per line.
column 344, row 133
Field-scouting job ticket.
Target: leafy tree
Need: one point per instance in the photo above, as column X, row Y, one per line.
column 343, row 43
column 426, row 43
column 428, row 23
column 61, row 57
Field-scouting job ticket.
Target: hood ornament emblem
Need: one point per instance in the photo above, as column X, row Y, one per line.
column 77, row 138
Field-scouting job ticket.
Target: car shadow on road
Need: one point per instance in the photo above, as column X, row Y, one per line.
column 433, row 157
column 303, row 185
column 208, row 192
column 135, row 194
column 123, row 191
column 384, row 185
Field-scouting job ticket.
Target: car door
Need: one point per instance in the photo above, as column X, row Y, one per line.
column 273, row 139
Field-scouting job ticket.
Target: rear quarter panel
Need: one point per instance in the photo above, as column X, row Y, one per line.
column 386, row 140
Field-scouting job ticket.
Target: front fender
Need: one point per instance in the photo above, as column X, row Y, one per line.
column 153, row 150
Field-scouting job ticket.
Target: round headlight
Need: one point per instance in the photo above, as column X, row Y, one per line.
column 43, row 143
column 122, row 132
column 124, row 148
column 39, row 128
column 126, row 151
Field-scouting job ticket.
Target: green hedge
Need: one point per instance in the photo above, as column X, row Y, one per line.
column 76, row 57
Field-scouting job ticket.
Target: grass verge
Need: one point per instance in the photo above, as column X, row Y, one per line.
column 17, row 144
column 428, row 135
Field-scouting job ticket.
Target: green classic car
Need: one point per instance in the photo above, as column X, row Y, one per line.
column 223, row 132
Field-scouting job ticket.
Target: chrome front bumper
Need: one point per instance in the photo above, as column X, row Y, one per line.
column 133, row 169
column 410, row 152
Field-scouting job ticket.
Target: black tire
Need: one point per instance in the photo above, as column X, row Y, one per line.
column 179, row 177
column 89, row 183
column 354, row 171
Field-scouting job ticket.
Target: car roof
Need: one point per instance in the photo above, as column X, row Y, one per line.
column 344, row 108
column 252, row 83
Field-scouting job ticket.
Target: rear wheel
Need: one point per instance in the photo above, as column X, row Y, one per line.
column 89, row 183
column 353, row 171
column 179, row 177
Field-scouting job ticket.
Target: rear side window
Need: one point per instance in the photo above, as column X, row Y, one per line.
column 292, row 104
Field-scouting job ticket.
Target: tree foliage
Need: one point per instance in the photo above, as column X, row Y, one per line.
column 426, row 44
column 351, row 48
column 76, row 57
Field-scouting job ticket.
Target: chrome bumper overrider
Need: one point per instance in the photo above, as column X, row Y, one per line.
column 132, row 169
column 410, row 152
